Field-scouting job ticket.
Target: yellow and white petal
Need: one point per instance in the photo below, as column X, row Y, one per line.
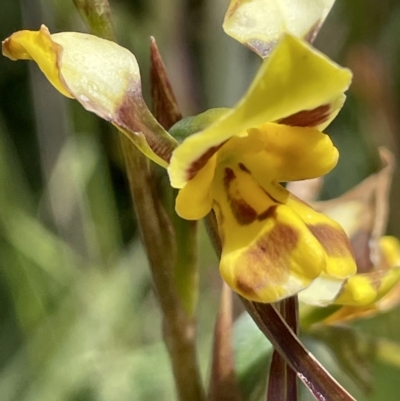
column 103, row 76
column 96, row 72
column 295, row 78
column 259, row 24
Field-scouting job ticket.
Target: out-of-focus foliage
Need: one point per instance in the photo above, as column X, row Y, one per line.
column 78, row 320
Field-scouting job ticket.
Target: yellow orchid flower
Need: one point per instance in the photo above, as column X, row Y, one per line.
column 101, row 75
column 259, row 24
column 274, row 245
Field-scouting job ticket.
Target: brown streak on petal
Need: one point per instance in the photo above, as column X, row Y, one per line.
column 307, row 118
column 268, row 260
column 201, row 161
column 334, row 241
column 133, row 116
column 269, row 195
column 242, row 211
column 360, row 242
column 270, row 212
column 244, row 168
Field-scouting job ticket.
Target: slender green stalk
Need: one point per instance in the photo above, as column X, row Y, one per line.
column 164, row 243
column 157, row 235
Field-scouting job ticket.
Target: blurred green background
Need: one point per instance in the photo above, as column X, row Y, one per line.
column 78, row 319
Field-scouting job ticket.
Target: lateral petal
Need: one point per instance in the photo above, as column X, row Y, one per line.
column 103, row 76
column 259, row 24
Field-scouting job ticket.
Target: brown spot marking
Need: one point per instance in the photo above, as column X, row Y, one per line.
column 244, row 168
column 270, row 212
column 202, row 161
column 307, row 118
column 362, row 252
column 333, row 240
column 242, row 211
column 228, row 178
column 268, row 260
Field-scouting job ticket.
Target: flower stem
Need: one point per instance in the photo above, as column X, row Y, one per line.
column 159, row 240
column 163, row 242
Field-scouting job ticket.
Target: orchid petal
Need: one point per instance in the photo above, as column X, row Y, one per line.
column 103, row 76
column 293, row 79
column 293, row 153
column 269, row 251
column 365, row 289
column 195, row 200
column 259, row 24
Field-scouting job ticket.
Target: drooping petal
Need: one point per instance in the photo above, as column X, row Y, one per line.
column 268, row 252
column 279, row 262
column 103, row 76
column 295, row 78
column 259, row 24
